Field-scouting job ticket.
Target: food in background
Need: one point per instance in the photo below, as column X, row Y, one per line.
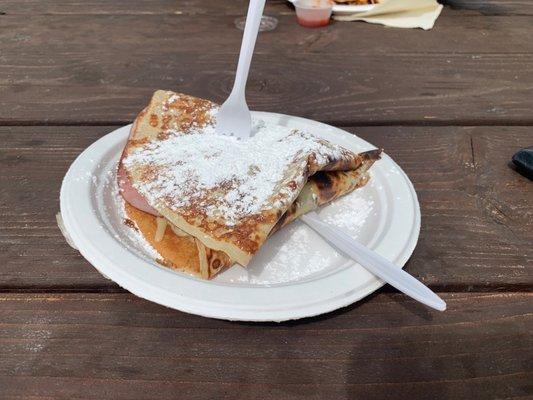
column 356, row 2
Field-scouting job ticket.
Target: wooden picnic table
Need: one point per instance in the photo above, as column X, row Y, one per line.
column 450, row 105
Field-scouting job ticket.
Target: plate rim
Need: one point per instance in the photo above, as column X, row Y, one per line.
column 105, row 263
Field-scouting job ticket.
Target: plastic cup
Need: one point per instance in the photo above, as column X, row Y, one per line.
column 313, row 13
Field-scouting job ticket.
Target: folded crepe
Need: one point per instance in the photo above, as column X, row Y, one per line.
column 206, row 201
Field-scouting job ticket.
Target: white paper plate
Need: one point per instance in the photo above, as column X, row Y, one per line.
column 296, row 274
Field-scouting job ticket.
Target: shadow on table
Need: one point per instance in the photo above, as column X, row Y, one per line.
column 522, row 172
column 411, row 306
column 311, row 364
column 486, row 8
column 416, row 308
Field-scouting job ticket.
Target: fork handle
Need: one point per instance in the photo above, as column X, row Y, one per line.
column 251, row 29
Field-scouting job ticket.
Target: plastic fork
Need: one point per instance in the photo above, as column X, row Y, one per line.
column 234, row 117
column 374, row 262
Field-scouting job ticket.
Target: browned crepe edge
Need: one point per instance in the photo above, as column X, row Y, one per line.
column 182, row 253
column 240, row 245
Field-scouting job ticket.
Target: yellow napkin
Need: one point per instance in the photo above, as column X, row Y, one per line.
column 399, row 14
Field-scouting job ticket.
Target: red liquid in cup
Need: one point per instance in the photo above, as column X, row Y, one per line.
column 313, row 15
column 313, row 23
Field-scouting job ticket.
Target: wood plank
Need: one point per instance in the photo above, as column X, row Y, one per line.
column 477, row 213
column 142, row 7
column 217, row 7
column 118, row 346
column 65, row 69
column 175, row 34
column 493, row 7
column 29, row 200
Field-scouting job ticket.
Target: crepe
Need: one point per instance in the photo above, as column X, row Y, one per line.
column 225, row 197
column 183, row 252
column 178, row 250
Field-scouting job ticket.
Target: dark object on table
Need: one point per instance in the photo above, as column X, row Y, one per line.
column 523, row 159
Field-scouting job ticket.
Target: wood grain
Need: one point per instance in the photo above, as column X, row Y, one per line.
column 477, row 213
column 37, row 159
column 217, row 7
column 468, row 225
column 63, row 69
column 493, row 7
column 97, row 346
column 96, row 63
column 142, row 7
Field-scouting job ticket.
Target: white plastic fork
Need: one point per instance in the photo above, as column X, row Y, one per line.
column 234, row 119
column 374, row 262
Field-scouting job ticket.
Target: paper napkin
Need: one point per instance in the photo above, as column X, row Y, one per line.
column 399, row 14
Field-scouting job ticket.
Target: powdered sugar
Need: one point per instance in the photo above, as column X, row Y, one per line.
column 351, row 213
column 296, row 252
column 242, row 177
column 289, row 247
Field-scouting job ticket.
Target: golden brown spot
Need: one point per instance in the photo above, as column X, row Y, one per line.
column 129, row 223
column 166, row 120
column 163, row 135
column 164, row 263
column 292, row 185
column 188, row 111
column 138, row 142
column 154, row 120
column 148, row 173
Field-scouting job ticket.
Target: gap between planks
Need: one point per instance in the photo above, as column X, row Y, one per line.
column 458, row 288
column 340, row 124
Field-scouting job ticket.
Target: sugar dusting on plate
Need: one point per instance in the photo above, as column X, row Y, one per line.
column 295, row 245
column 351, row 213
column 294, row 249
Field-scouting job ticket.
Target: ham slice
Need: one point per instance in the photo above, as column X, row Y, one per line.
column 132, row 195
column 128, row 192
